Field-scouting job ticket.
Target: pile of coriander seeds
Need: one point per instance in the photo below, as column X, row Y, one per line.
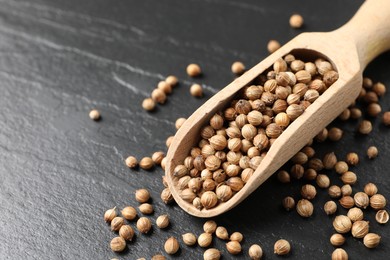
column 236, row 139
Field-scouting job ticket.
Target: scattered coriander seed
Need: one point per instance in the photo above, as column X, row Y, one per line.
column 370, row 189
column 330, row 207
column 379, row 88
column 157, row 157
column 329, row 161
column 355, row 214
column 129, row 213
column 296, row 21
column 163, row 163
column 341, row 167
column 158, row 96
column 162, row 221
column 146, row 208
column 116, row 223
column 372, row 152
column 334, row 191
column 305, row 208
column 179, row 122
column 146, row 163
column 236, row 236
column 142, row 195
column 308, row 191
column 342, row 224
column 365, row 127
column 189, row 239
column 283, row 176
column 323, row 181
column 131, row 162
column 273, row 46
column 144, row 225
column 339, row 254
column 371, row 240
column 126, row 232
column 233, row 247
column 337, row 239
column 117, row 244
column 165, row 86
column 205, row 239
column 193, row 70
column 361, row 200
column 374, row 109
column 346, row 190
column 172, row 80
column 349, row 178
column 377, row 201
column 211, row 254
column 222, row 233
column 288, row 203
column 166, row 196
column 335, row 134
column 386, row 118
column 238, row 68
column 255, row 252
column 148, row 104
column 158, row 257
column 169, row 141
column 171, row 246
column 282, row 247
column 110, row 214
column 196, row 90
column 347, row 202
column 210, row 226
column 382, row 216
column 94, row 114
column 209, row 199
column 360, row 228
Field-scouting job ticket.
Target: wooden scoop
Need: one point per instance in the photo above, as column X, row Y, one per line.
column 349, row 49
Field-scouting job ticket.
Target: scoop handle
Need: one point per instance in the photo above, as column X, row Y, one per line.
column 369, row 29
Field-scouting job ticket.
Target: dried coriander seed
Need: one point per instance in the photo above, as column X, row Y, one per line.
column 382, row 216
column 210, row 226
column 157, row 257
column 342, row 224
column 172, row 80
column 146, row 208
column 212, row 254
column 386, row 118
column 196, row 90
column 339, row 254
column 162, row 221
column 142, row 195
column 131, row 162
column 148, row 104
column 189, row 239
column 222, row 233
column 144, row 225
column 205, row 239
column 371, row 240
column 238, row 68
column 126, row 232
column 282, row 247
column 305, row 208
column 360, row 228
column 158, row 96
column 171, row 246
column 337, row 239
column 233, row 247
column 355, row 214
column 166, row 196
column 323, row 181
column 94, row 114
column 370, row 189
column 118, row 244
column 377, row 201
column 346, row 190
column 255, row 252
column 330, row 207
column 283, row 176
column 329, row 161
column 146, row 163
column 341, row 167
column 349, row 178
column 365, row 127
column 334, row 191
column 129, row 213
column 110, row 214
column 273, row 46
column 116, row 223
column 165, row 86
column 372, row 152
column 335, row 134
column 296, row 21
column 193, row 70
column 347, row 202
column 288, row 203
column 361, row 200
column 236, row 236
column 308, row 191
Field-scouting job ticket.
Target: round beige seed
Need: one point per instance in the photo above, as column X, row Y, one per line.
column 193, row 70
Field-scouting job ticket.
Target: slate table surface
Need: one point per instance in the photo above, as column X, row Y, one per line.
column 59, row 170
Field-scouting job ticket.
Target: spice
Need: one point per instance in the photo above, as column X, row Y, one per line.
column 255, row 252
column 205, row 239
column 157, row 257
column 334, row 191
column 236, row 236
column 349, row 177
column 146, row 163
column 372, row 152
column 347, row 202
column 308, row 191
column 148, row 104
column 346, row 190
column 158, row 96
column 94, row 114
column 382, row 216
column 166, row 196
column 162, row 221
column 116, row 223
column 329, row 161
column 377, row 201
column 283, row 176
column 335, row 134
column 273, row 46
column 129, row 213
column 342, row 224
column 210, row 226
column 361, row 200
column 110, row 214
column 386, row 118
column 193, row 70
column 339, row 254
column 288, row 203
column 117, row 244
column 142, row 195
column 146, row 208
column 131, row 162
column 196, row 90
column 323, row 181
column 126, row 232
column 222, row 233
column 233, row 247
column 341, row 167
column 360, row 228
column 371, row 240
column 330, row 207
column 282, row 247
column 238, row 68
column 365, row 127
column 209, row 199
column 370, row 189
column 171, row 246
column 374, row 109
column 144, row 225
column 165, row 86
column 296, row 21
column 305, row 208
column 337, row 239
column 212, row 254
column 355, row 214
column 172, row 80
column 189, row 239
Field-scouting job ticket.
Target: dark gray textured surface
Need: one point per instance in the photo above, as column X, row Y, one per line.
column 60, row 171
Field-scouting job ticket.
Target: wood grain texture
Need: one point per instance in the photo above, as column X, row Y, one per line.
column 60, row 171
